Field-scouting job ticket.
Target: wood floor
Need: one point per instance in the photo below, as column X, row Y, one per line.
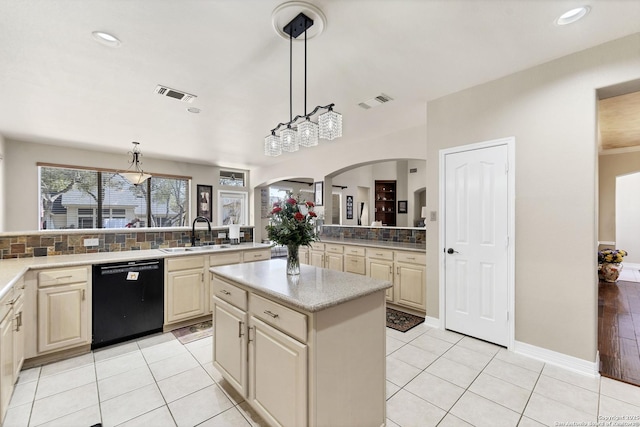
column 619, row 330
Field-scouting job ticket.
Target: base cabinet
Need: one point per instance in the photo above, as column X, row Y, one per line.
column 302, row 369
column 382, row 270
column 184, row 288
column 64, row 319
column 278, row 375
column 6, row 354
column 230, row 343
column 410, row 284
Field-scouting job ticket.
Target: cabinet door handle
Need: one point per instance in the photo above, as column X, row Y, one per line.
column 11, row 302
column 202, row 274
column 18, row 319
column 398, row 270
column 390, row 270
column 240, row 334
column 64, row 277
column 83, row 295
column 257, row 256
column 378, row 254
column 225, row 292
column 269, row 313
column 249, row 333
column 411, row 257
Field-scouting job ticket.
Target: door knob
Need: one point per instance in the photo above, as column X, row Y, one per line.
column 451, row 251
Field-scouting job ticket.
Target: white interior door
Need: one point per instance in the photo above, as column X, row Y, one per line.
column 476, row 261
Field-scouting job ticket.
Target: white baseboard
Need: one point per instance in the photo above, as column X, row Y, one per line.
column 561, row 360
column 432, row 322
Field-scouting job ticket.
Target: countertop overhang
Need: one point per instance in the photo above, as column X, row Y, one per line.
column 313, row 290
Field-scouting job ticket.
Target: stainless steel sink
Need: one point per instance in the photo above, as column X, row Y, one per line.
column 194, row 248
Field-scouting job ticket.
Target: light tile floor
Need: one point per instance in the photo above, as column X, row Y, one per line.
column 434, row 378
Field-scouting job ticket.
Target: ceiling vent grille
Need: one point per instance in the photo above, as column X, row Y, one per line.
column 375, row 101
column 175, row 94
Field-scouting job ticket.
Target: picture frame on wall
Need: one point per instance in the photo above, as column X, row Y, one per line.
column 402, row 206
column 318, row 191
column 349, row 207
column 204, row 204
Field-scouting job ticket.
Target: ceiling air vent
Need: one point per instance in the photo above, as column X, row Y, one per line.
column 374, row 102
column 175, row 94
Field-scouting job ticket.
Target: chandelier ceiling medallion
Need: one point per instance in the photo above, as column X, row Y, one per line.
column 135, row 175
column 301, row 130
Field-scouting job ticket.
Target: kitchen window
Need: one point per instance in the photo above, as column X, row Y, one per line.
column 232, row 178
column 232, row 207
column 85, row 198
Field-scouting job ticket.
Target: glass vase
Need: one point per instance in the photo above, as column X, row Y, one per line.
column 293, row 260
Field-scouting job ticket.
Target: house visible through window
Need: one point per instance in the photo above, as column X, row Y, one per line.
column 81, row 198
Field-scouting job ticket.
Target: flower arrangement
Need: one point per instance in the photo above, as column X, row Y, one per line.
column 611, row 255
column 292, row 222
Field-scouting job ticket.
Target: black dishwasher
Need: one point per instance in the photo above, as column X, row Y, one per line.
column 128, row 300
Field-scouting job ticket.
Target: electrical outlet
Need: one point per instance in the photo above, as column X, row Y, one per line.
column 222, row 235
column 432, row 216
column 91, row 242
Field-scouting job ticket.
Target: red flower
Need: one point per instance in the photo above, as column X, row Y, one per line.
column 312, row 214
column 291, row 201
column 298, row 216
column 309, row 204
column 276, row 210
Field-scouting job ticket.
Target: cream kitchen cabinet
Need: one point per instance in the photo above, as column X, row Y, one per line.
column 303, row 253
column 354, row 260
column 256, row 255
column 63, row 309
column 316, row 254
column 18, row 328
column 334, row 256
column 185, row 288
column 410, row 280
column 263, row 346
column 6, row 352
column 380, row 266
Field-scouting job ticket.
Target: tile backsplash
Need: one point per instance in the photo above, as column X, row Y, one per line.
column 388, row 234
column 25, row 245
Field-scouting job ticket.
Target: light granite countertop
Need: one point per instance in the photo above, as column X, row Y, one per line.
column 313, row 290
column 12, row 269
column 414, row 247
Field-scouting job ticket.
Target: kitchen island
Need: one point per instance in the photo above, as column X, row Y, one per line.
column 306, row 350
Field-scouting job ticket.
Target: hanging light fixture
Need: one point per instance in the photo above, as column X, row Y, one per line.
column 307, row 132
column 135, row 175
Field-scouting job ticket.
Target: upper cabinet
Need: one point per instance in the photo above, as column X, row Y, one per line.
column 385, row 202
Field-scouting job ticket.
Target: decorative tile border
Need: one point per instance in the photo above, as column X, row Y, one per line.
column 51, row 244
column 388, row 234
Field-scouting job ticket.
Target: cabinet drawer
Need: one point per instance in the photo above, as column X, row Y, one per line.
column 225, row 258
column 380, row 253
column 185, row 263
column 354, row 264
column 283, row 318
column 354, row 250
column 411, row 257
column 260, row 255
column 229, row 293
column 333, row 248
column 62, row 277
column 317, row 246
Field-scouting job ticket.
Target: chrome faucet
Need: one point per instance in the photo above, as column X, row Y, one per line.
column 193, row 228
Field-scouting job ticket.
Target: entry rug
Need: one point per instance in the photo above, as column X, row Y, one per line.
column 194, row 332
column 402, row 321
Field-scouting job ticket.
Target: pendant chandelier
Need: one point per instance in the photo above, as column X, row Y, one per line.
column 301, row 130
column 135, row 175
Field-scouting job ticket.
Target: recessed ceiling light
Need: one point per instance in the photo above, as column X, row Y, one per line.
column 193, row 110
column 106, row 38
column 573, row 15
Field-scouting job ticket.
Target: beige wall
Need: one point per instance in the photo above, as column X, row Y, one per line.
column 22, row 176
column 3, row 181
column 611, row 166
column 551, row 112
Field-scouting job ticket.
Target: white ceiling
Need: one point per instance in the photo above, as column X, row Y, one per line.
column 59, row 86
